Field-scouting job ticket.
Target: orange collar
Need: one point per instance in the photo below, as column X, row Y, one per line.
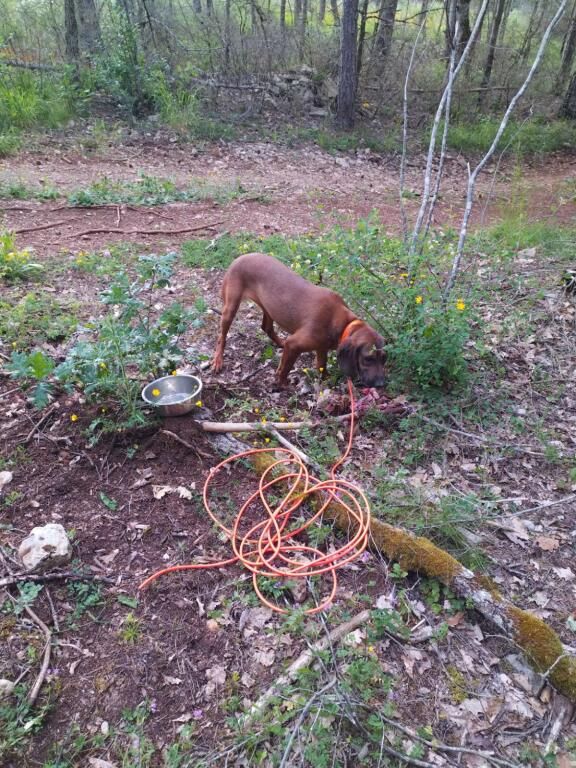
column 349, row 328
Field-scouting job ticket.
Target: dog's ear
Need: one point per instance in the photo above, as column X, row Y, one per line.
column 347, row 357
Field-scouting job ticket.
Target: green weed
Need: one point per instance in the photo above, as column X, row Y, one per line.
column 10, row 143
column 36, row 317
column 20, row 191
column 31, row 100
column 34, row 368
column 537, row 137
column 16, row 264
column 150, row 191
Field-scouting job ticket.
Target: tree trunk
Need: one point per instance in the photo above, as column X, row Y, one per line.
column 568, row 108
column 88, row 26
column 71, row 32
column 347, row 71
column 361, row 38
column 302, row 30
column 227, row 36
column 321, row 10
column 383, row 41
column 282, row 15
column 197, row 6
column 335, row 11
column 424, row 12
column 568, row 51
column 297, row 13
column 209, row 7
column 494, row 31
column 450, row 28
column 534, row 24
column 463, row 16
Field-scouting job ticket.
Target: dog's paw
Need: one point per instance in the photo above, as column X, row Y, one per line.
column 217, row 364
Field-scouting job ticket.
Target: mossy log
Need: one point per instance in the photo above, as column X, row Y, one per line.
column 540, row 643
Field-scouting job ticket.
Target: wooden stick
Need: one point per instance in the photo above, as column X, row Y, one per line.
column 256, row 426
column 305, row 660
column 33, row 695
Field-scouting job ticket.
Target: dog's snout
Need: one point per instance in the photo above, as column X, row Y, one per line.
column 373, row 381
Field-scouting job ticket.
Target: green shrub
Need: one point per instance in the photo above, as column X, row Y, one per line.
column 425, row 339
column 9, row 143
column 34, row 368
column 129, row 344
column 15, row 264
column 30, row 100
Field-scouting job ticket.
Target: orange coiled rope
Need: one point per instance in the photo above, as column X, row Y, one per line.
column 269, row 548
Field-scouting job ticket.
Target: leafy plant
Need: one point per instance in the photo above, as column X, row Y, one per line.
column 15, row 264
column 34, row 317
column 130, row 342
column 34, row 368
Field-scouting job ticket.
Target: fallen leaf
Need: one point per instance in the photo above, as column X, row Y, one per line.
column 172, row 680
column 159, row 491
column 547, row 543
column 265, row 658
column 185, row 718
column 564, row 573
column 97, row 762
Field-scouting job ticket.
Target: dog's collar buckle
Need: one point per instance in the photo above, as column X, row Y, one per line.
column 349, row 328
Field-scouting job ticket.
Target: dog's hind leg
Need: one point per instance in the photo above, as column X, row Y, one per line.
column 268, row 328
column 232, row 296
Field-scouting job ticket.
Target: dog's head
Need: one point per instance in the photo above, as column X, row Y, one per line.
column 361, row 355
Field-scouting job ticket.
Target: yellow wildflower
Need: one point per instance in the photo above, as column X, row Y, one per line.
column 174, row 373
column 156, row 392
column 73, row 417
column 256, row 410
column 266, row 439
column 103, row 366
column 282, row 418
column 263, row 420
column 199, row 403
column 321, row 370
column 418, row 299
column 460, row 305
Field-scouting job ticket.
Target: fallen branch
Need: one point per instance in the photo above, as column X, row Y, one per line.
column 33, row 695
column 42, row 226
column 38, row 424
column 304, row 660
column 185, row 443
column 109, row 231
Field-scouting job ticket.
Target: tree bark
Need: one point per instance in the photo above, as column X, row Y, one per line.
column 361, row 38
column 71, row 32
column 283, row 15
column 88, row 26
column 383, row 41
column 494, row 31
column 568, row 108
column 335, row 11
column 347, row 71
column 302, row 29
column 463, row 16
column 321, row 10
column 568, row 51
column 197, row 6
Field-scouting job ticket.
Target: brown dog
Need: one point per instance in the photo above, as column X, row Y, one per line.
column 315, row 318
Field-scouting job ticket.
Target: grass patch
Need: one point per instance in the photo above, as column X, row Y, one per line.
column 531, row 138
column 151, row 190
column 30, row 100
column 10, row 143
column 18, row 190
column 518, row 232
column 36, row 317
column 334, row 142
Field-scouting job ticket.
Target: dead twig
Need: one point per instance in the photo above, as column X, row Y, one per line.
column 302, row 716
column 185, row 443
column 108, row 231
column 37, row 426
column 33, row 695
column 304, row 660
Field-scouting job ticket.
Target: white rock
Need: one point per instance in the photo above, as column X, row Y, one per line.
column 46, row 546
column 5, row 478
column 6, row 688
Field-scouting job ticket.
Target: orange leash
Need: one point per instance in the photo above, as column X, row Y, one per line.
column 269, row 548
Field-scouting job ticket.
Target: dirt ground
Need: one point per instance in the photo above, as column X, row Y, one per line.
column 196, row 642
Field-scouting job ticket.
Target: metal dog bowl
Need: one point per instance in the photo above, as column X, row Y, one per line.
column 173, row 395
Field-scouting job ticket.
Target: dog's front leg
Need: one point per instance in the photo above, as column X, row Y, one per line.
column 290, row 354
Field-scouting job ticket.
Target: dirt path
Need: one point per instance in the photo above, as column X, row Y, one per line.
column 286, row 190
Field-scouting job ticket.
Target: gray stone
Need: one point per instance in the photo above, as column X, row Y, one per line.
column 46, row 546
